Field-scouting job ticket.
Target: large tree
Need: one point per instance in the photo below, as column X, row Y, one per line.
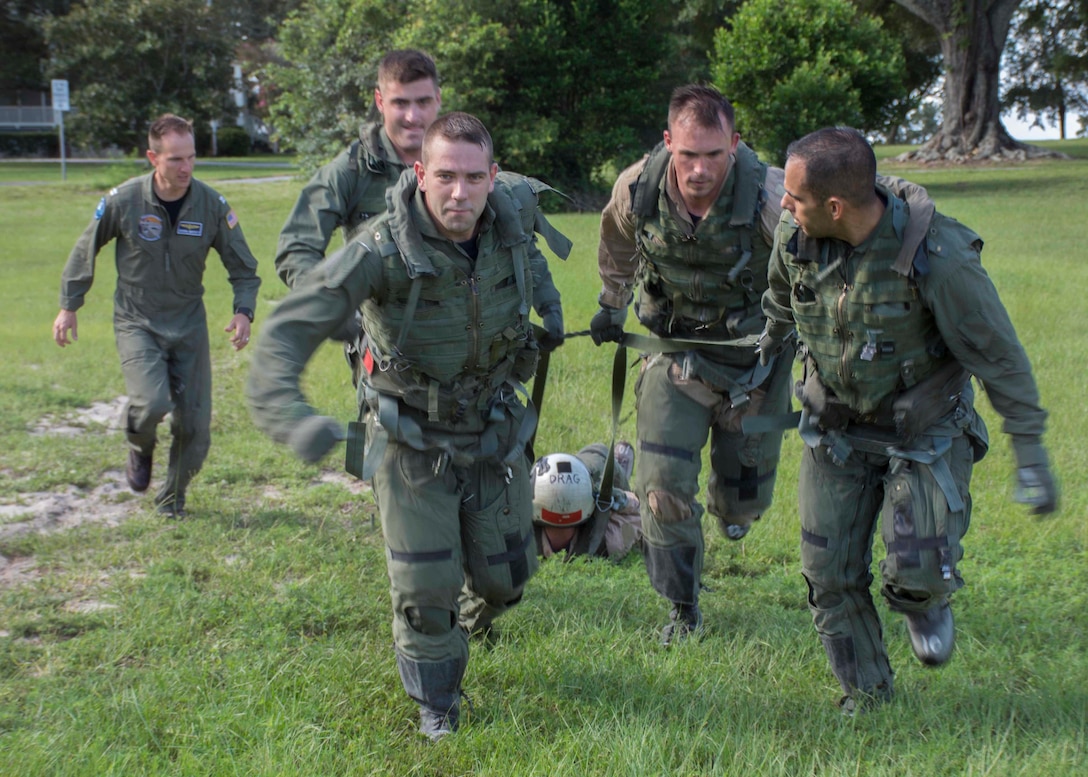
column 565, row 87
column 22, row 65
column 972, row 35
column 794, row 66
column 129, row 60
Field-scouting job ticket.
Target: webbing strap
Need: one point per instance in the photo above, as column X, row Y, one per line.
column 655, row 344
column 539, row 381
column 409, row 313
column 520, row 254
column 619, row 377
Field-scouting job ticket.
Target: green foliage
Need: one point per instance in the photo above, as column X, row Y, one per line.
column 911, row 116
column 1046, row 62
column 532, row 70
column 232, row 141
column 22, row 44
column 325, row 82
column 795, row 66
column 127, row 61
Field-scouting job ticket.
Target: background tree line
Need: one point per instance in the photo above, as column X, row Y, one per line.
column 572, row 89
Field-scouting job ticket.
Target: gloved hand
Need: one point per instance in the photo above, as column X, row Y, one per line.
column 606, row 326
column 1036, row 488
column 351, row 329
column 552, row 318
column 768, row 347
column 314, row 436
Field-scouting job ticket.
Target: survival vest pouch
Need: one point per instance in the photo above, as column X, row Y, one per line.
column 911, row 412
column 919, row 407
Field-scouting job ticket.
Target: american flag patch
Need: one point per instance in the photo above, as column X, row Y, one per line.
column 232, row 219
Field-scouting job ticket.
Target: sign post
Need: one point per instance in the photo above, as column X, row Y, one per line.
column 60, row 105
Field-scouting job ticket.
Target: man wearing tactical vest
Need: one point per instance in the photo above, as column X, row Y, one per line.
column 445, row 281
column 692, row 225
column 892, row 327
column 351, row 188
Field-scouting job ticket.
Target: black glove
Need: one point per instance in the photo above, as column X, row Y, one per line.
column 606, row 326
column 768, row 347
column 1036, row 488
column 552, row 318
column 314, row 436
column 350, row 330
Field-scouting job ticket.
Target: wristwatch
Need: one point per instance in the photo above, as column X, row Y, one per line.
column 245, row 312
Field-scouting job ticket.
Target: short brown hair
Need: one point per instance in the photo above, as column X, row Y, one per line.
column 167, row 124
column 703, row 104
column 462, row 127
column 406, row 66
column 839, row 162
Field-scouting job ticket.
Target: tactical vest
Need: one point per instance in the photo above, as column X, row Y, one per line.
column 413, row 351
column 868, row 331
column 710, row 281
column 374, row 176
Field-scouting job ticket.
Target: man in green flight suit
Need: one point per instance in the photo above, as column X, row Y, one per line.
column 445, row 281
column 164, row 223
column 692, row 225
column 893, row 327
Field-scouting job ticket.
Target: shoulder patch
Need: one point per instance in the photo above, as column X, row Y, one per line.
column 232, row 219
column 222, row 199
column 101, row 209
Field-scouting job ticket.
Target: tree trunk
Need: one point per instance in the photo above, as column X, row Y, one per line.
column 972, row 35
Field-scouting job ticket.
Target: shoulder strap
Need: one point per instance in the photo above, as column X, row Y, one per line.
column 644, row 191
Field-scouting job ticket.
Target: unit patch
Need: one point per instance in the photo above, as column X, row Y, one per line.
column 100, row 210
column 190, row 228
column 232, row 219
column 150, row 227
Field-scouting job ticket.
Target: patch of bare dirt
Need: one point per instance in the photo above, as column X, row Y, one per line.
column 111, row 503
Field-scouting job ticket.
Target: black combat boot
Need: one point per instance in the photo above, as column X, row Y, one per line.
column 138, row 471
column 436, row 687
column 932, row 634
column 685, row 621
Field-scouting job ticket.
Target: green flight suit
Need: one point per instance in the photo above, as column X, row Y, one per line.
column 866, row 317
column 445, row 428
column 159, row 319
column 698, row 279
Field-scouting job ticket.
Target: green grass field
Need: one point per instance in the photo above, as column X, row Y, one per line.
column 253, row 638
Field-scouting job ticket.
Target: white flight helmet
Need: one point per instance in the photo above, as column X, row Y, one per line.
column 562, row 491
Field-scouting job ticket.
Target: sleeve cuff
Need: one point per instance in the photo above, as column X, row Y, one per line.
column 1029, row 451
column 618, row 300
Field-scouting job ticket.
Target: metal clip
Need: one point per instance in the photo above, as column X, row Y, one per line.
column 872, row 347
column 946, row 563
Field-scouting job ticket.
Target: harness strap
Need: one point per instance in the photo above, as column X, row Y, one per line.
column 619, row 377
column 540, row 381
column 520, row 254
column 739, row 388
column 840, row 445
column 409, row 313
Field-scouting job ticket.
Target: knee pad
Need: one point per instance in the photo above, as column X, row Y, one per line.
column 668, row 508
column 432, row 621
